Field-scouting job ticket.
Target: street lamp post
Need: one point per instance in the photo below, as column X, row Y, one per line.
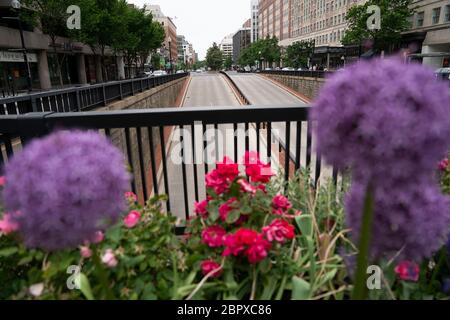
column 170, row 54
column 16, row 5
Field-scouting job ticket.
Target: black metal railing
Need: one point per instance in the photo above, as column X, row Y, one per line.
column 83, row 98
column 304, row 73
column 146, row 138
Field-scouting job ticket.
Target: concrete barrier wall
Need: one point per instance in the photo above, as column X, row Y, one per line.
column 161, row 97
column 306, row 86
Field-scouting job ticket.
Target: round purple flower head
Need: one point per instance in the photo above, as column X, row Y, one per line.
column 65, row 187
column 383, row 117
column 413, row 219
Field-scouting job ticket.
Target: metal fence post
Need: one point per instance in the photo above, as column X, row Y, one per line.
column 104, row 94
column 78, row 100
column 33, row 104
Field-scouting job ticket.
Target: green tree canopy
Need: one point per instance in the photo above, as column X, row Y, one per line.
column 214, row 57
column 395, row 16
column 297, row 54
column 264, row 49
column 50, row 17
column 228, row 63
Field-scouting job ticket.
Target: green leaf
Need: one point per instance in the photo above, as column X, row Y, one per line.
column 25, row 260
column 233, row 216
column 300, row 289
column 305, row 224
column 6, row 252
column 85, row 286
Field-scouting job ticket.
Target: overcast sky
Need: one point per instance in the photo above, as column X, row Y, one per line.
column 203, row 22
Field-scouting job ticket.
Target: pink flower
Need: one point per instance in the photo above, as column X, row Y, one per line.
column 132, row 219
column 213, row 236
column 279, row 230
column 280, row 204
column 99, row 236
column 201, row 209
column 246, row 186
column 236, row 243
column 215, row 181
column 130, row 196
column 255, row 169
column 444, row 164
column 225, row 208
column 258, row 250
column 246, row 236
column 209, row 266
column 227, row 169
column 232, row 246
column 109, row 258
column 2, row 181
column 408, row 271
column 85, row 252
column 259, row 172
column 7, row 225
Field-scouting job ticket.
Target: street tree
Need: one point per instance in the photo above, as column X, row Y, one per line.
column 297, row 54
column 228, row 63
column 50, row 17
column 103, row 24
column 395, row 16
column 214, row 57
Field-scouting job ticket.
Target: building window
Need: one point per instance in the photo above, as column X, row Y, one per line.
column 447, row 13
column 436, row 14
column 420, row 16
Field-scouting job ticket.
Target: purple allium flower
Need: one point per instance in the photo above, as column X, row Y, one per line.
column 383, row 117
column 66, row 187
column 411, row 218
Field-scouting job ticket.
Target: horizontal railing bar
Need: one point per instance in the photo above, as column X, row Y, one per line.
column 56, row 92
column 161, row 117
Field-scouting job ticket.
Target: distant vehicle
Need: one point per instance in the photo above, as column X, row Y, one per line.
column 268, row 69
column 443, row 74
column 288, row 69
column 199, row 70
column 143, row 74
column 299, row 69
column 159, row 73
column 180, row 71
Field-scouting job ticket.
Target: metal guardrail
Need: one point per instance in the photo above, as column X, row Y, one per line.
column 305, row 73
column 142, row 136
column 83, row 98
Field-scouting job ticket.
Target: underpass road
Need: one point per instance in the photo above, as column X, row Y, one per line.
column 261, row 91
column 213, row 90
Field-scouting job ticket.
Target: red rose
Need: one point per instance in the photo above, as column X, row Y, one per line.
column 227, row 169
column 225, row 208
column 258, row 250
column 215, row 181
column 201, row 209
column 279, row 230
column 408, row 271
column 209, row 266
column 213, row 236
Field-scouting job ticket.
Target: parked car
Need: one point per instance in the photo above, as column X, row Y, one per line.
column 180, row 71
column 443, row 74
column 199, row 70
column 268, row 69
column 159, row 73
column 144, row 74
column 288, row 69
